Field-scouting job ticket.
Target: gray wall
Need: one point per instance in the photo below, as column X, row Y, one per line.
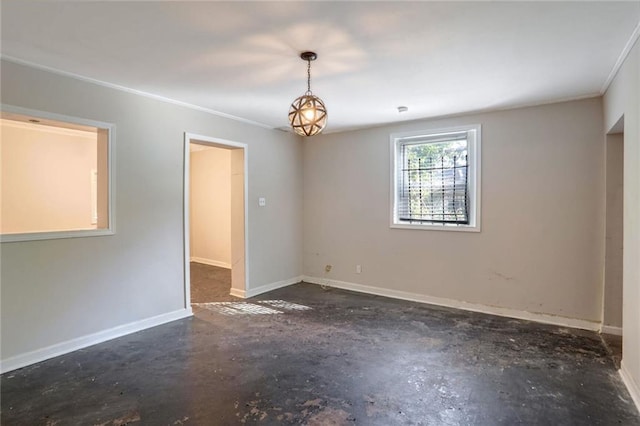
column 541, row 248
column 57, row 290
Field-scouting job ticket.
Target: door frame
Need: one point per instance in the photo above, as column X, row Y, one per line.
column 220, row 143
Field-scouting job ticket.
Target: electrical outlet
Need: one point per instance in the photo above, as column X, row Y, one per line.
column 358, row 269
column 328, row 268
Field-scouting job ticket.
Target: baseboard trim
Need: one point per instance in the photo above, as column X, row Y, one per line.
column 631, row 384
column 451, row 303
column 270, row 287
column 238, row 293
column 62, row 348
column 609, row 329
column 211, row 262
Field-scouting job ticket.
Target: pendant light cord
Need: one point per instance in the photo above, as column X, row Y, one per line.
column 308, row 76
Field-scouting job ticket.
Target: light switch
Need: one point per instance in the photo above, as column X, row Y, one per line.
column 262, row 201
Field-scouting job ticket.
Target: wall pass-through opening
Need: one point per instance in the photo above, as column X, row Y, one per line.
column 56, row 178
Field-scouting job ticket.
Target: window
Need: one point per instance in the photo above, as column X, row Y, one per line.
column 56, row 176
column 436, row 179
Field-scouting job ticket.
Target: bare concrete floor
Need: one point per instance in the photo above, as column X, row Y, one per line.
column 210, row 283
column 613, row 344
column 303, row 355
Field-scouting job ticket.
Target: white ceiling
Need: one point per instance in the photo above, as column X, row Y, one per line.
column 241, row 59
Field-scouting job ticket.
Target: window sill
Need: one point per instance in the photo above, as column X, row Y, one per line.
column 454, row 228
column 55, row 235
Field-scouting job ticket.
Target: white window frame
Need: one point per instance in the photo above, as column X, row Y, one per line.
column 81, row 233
column 474, row 142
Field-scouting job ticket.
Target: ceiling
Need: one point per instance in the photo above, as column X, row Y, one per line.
column 242, row 59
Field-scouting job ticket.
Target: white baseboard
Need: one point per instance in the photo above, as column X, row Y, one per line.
column 62, row 348
column 269, row 287
column 609, row 329
column 211, row 262
column 451, row 303
column 630, row 383
column 238, row 293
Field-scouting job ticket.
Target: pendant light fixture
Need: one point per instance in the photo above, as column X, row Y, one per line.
column 307, row 114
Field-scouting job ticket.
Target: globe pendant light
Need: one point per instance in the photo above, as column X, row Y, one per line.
column 307, row 114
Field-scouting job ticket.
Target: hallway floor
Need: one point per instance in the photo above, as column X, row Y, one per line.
column 304, row 355
column 210, row 283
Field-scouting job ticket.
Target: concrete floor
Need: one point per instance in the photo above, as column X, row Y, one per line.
column 304, row 355
column 613, row 344
column 210, row 284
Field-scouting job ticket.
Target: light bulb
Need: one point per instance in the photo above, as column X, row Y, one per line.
column 309, row 113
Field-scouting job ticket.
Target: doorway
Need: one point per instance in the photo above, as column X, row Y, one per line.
column 215, row 219
column 612, row 294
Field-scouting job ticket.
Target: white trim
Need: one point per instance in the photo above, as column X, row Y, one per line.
column 236, row 292
column 186, row 230
column 434, row 227
column 270, row 287
column 223, row 143
column 474, row 144
column 62, row 348
column 630, row 383
column 54, row 235
column 609, row 329
column 210, row 262
column 133, row 91
column 623, row 56
column 111, row 166
column 457, row 304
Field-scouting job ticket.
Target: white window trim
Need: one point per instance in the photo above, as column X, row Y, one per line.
column 474, row 150
column 80, row 233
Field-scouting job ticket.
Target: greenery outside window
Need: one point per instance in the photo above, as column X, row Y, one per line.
column 436, row 179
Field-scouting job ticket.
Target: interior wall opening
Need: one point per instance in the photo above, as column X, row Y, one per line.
column 612, row 294
column 215, row 219
column 210, row 223
column 55, row 175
